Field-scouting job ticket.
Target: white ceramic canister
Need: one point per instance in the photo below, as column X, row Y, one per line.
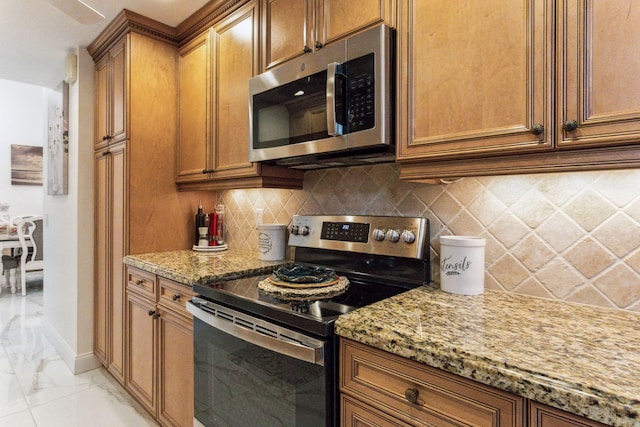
column 271, row 241
column 462, row 264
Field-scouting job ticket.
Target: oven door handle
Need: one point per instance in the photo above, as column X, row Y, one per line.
column 313, row 353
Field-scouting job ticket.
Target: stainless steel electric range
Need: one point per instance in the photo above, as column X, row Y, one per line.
column 265, row 358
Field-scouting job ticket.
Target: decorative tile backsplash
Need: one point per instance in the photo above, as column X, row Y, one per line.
column 565, row 236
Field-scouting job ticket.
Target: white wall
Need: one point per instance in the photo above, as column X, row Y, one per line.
column 23, row 111
column 68, row 280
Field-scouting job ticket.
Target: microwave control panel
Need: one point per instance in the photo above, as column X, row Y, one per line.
column 361, row 93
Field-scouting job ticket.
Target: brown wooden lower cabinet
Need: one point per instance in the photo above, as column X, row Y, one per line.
column 159, row 347
column 380, row 389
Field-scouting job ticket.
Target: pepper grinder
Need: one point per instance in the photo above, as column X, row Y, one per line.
column 199, row 223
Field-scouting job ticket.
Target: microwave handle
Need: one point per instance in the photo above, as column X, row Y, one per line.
column 334, row 127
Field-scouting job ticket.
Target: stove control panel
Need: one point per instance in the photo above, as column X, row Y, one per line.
column 382, row 235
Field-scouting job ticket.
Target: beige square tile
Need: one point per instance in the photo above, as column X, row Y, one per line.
column 589, row 209
column 533, row 208
column 589, row 257
column 620, row 234
column 620, row 285
column 508, row 272
column 559, row 231
column 589, row 295
column 508, row 229
column 533, row 252
column 559, row 278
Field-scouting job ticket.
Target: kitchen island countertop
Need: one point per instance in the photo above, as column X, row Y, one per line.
column 189, row 267
column 578, row 358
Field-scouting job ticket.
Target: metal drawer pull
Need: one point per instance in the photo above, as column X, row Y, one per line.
column 537, row 129
column 139, row 282
column 176, row 297
column 411, row 394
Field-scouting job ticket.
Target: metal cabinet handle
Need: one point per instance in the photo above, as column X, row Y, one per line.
column 104, row 138
column 206, row 171
column 154, row 314
column 176, row 297
column 411, row 394
column 318, row 45
column 537, row 129
column 306, row 49
column 139, row 282
column 570, row 126
column 151, row 312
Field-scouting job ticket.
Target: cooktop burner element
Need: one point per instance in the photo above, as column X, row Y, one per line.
column 379, row 256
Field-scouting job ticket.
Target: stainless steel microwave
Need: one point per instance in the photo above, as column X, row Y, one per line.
column 333, row 107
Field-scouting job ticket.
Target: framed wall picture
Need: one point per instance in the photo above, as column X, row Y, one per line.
column 26, row 165
column 58, row 141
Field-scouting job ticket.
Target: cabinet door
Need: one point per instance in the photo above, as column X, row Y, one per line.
column 475, row 77
column 118, row 80
column 101, row 130
column 110, row 94
column 110, row 249
column 141, row 350
column 598, row 69
column 286, row 30
column 338, row 19
column 235, row 60
column 175, row 391
column 545, row 416
column 194, row 152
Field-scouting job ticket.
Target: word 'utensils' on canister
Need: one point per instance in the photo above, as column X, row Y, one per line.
column 462, row 264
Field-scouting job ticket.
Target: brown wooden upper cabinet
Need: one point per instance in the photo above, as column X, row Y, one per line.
column 214, row 73
column 110, row 93
column 493, row 88
column 294, row 27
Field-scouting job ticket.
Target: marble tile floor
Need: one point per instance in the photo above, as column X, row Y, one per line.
column 36, row 387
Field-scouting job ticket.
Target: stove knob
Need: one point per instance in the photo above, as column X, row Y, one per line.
column 304, row 230
column 295, row 230
column 378, row 234
column 408, row 236
column 393, row 235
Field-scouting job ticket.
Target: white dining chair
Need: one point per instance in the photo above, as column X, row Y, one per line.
column 32, row 258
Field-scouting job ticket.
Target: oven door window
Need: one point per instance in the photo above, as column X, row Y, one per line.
column 239, row 384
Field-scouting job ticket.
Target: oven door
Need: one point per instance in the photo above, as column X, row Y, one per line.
column 249, row 372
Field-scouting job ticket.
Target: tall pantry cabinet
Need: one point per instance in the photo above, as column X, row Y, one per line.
column 137, row 207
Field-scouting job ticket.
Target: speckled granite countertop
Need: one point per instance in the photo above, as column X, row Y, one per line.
column 189, row 267
column 585, row 360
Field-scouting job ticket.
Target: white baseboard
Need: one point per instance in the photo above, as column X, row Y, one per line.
column 77, row 363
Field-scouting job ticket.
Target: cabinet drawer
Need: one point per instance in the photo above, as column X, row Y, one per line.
column 357, row 414
column 174, row 296
column 141, row 282
column 381, row 380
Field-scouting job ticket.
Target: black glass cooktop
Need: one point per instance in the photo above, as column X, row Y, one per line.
column 312, row 316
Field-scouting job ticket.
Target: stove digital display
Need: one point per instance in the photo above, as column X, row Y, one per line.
column 345, row 231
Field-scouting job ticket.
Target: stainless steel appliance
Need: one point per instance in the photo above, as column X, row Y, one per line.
column 268, row 360
column 333, row 107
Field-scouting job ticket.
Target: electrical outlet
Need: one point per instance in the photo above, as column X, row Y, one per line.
column 259, row 213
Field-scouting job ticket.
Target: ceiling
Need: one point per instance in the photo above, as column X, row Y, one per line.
column 36, row 36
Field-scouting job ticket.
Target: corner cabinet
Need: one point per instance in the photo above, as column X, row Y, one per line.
column 535, row 86
column 294, row 27
column 382, row 389
column 213, row 145
column 159, row 347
